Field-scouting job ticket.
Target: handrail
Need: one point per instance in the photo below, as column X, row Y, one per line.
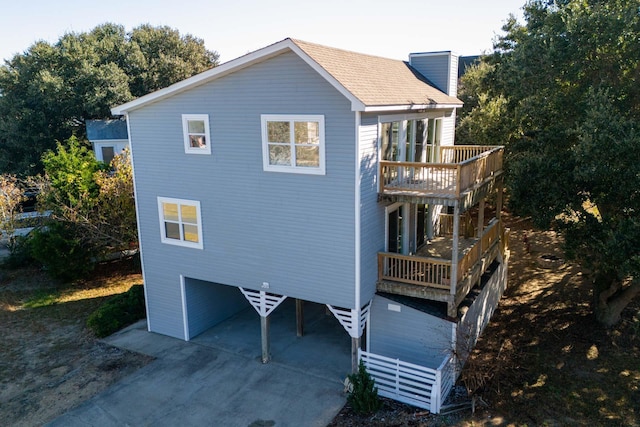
column 446, row 178
column 415, row 270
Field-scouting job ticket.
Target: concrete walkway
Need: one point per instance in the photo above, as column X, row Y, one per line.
column 217, row 378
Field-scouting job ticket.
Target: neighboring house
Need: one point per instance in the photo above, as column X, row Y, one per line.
column 328, row 176
column 108, row 138
column 465, row 62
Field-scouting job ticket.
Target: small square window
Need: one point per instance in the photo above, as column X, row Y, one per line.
column 180, row 222
column 195, row 128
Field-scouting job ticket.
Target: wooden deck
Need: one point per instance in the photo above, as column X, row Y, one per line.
column 427, row 274
column 462, row 169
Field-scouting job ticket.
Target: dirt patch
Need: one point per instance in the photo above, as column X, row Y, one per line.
column 50, row 362
column 543, row 360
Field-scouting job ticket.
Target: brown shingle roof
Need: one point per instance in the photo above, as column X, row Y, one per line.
column 374, row 80
column 369, row 81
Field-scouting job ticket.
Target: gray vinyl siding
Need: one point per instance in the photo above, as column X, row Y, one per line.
column 435, row 68
column 210, row 303
column 409, row 335
column 372, row 219
column 294, row 231
column 448, row 128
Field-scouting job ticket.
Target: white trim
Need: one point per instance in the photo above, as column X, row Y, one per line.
column 411, row 116
column 110, row 141
column 412, row 107
column 204, row 77
column 263, row 302
column 185, row 317
column 291, row 118
column 368, row 327
column 186, row 118
column 137, row 204
column 357, row 200
column 162, row 221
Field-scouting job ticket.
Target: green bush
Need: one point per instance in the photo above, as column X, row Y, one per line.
column 119, row 311
column 363, row 393
column 58, row 248
column 19, row 253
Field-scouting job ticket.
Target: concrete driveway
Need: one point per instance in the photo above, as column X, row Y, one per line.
column 217, row 378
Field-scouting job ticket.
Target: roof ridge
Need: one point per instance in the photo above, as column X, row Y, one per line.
column 353, row 52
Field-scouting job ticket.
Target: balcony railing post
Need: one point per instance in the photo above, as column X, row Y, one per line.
column 454, row 248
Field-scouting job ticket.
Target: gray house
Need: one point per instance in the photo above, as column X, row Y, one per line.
column 108, row 138
column 327, row 176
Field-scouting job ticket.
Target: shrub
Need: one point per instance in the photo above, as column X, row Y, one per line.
column 363, row 394
column 119, row 311
column 19, row 253
column 60, row 251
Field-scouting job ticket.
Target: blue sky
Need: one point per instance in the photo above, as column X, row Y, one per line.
column 235, row 27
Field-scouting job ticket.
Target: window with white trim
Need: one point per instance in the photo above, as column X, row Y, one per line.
column 293, row 143
column 180, row 222
column 195, row 128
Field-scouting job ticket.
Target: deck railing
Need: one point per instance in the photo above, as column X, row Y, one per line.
column 435, row 273
column 461, row 167
column 415, row 270
column 473, row 255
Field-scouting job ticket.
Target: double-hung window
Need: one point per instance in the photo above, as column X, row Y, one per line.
column 195, row 129
column 180, row 222
column 293, row 143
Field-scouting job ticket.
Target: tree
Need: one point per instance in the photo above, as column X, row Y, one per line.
column 96, row 200
column 563, row 91
column 48, row 92
column 11, row 198
column 92, row 210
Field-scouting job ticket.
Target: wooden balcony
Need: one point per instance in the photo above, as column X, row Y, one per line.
column 461, row 169
column 429, row 277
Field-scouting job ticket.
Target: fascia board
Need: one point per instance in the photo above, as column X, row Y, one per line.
column 412, row 107
column 204, row 77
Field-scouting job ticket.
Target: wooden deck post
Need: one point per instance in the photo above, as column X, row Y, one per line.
column 481, row 217
column 430, row 221
column 355, row 345
column 454, row 255
column 499, row 199
column 299, row 317
column 266, row 344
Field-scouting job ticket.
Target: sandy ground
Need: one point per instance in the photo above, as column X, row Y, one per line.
column 50, row 362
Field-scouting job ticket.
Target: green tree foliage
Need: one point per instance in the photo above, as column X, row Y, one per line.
column 92, row 210
column 48, row 91
column 562, row 91
column 363, row 393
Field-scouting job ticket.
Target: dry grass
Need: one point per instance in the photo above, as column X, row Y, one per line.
column 50, row 361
